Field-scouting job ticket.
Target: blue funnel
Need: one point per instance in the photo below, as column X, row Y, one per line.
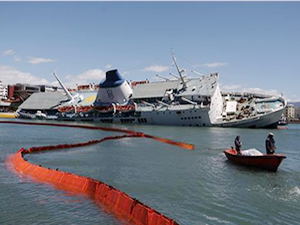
column 113, row 79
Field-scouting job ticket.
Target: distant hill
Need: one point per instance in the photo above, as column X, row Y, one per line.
column 296, row 104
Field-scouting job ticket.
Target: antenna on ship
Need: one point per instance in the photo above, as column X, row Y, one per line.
column 167, row 79
column 184, row 86
column 70, row 97
column 174, row 75
column 196, row 72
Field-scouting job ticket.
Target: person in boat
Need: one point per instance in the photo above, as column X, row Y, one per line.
column 238, row 144
column 270, row 144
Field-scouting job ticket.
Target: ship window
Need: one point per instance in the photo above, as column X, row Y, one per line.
column 142, row 120
column 127, row 120
column 189, row 118
column 192, row 117
column 178, row 112
column 204, row 124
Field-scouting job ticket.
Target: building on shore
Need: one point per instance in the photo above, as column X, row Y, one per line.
column 4, row 104
column 297, row 113
column 290, row 111
column 3, row 91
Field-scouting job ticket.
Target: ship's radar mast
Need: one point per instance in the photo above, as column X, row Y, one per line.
column 70, row 97
column 184, row 86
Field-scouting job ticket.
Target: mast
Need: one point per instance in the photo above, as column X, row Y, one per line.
column 162, row 77
column 70, row 97
column 184, row 86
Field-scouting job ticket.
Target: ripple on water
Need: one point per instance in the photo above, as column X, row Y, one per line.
column 294, row 193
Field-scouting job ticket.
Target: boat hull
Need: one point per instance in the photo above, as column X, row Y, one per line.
column 184, row 116
column 269, row 120
column 267, row 162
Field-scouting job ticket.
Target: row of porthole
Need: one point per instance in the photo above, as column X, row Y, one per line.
column 178, row 112
column 127, row 120
column 142, row 120
column 107, row 120
column 190, row 118
column 197, row 125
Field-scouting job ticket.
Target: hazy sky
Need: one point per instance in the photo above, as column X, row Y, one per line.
column 255, row 46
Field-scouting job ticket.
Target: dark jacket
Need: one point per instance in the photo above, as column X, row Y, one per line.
column 238, row 144
column 270, row 145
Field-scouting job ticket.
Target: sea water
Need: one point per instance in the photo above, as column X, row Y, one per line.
column 191, row 187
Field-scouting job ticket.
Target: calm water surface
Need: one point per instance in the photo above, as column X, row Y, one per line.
column 191, row 187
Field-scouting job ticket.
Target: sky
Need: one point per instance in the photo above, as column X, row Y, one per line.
column 254, row 46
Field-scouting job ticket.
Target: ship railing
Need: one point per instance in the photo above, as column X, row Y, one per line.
column 247, row 94
column 188, row 101
column 162, row 103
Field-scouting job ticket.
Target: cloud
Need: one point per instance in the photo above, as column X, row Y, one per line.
column 212, row 65
column 31, row 60
column 125, row 73
column 294, row 98
column 241, row 88
column 10, row 75
column 9, row 52
column 89, row 76
column 231, row 87
column 156, row 69
column 261, row 91
column 17, row 58
column 34, row 60
column 108, row 66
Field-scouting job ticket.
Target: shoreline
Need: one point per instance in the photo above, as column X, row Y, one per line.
column 294, row 122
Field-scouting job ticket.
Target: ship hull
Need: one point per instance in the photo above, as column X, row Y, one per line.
column 269, row 120
column 184, row 116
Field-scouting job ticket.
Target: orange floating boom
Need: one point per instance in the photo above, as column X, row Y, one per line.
column 137, row 134
column 114, row 200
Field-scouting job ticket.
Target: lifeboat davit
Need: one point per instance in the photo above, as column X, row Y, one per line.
column 265, row 161
column 84, row 108
column 125, row 108
column 105, row 109
column 67, row 109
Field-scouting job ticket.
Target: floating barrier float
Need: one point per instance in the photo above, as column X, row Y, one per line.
column 114, row 200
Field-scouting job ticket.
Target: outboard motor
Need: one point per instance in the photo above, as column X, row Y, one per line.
column 113, row 89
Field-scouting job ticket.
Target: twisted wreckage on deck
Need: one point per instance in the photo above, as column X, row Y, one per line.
column 180, row 102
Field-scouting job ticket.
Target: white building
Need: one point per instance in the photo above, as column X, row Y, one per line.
column 297, row 113
column 290, row 111
column 3, row 91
